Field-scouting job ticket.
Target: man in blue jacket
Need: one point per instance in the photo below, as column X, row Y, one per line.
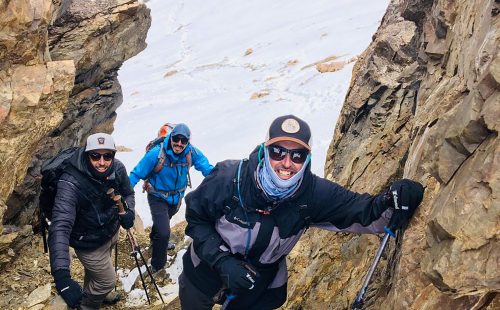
column 247, row 216
column 165, row 170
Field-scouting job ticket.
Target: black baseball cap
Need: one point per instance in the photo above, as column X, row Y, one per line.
column 289, row 128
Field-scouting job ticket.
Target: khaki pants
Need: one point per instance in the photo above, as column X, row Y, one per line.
column 100, row 276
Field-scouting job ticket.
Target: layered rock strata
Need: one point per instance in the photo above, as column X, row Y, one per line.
column 58, row 84
column 424, row 103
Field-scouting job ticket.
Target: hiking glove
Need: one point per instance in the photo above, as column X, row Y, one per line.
column 236, row 274
column 69, row 290
column 406, row 195
column 127, row 219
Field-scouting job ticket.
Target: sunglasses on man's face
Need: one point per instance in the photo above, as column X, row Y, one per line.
column 278, row 153
column 97, row 156
column 180, row 138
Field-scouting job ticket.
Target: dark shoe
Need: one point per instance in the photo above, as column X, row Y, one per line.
column 151, row 268
column 170, row 246
column 112, row 298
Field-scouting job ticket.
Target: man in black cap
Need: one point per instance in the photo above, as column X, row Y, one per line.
column 247, row 216
column 85, row 218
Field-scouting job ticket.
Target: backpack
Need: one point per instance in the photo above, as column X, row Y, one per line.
column 165, row 129
column 51, row 171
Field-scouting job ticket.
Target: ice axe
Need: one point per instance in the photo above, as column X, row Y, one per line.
column 136, row 250
column 359, row 301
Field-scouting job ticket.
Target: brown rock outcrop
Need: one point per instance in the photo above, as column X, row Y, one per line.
column 58, row 83
column 424, row 103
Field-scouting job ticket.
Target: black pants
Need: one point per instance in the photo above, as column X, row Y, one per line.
column 161, row 213
column 191, row 297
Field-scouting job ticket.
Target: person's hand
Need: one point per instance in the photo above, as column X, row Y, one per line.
column 236, row 274
column 127, row 219
column 406, row 195
column 69, row 290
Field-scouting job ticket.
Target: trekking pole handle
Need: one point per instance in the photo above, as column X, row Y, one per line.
column 121, row 210
column 118, row 201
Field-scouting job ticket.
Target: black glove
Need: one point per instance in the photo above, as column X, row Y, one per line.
column 406, row 195
column 236, row 274
column 69, row 290
column 127, row 219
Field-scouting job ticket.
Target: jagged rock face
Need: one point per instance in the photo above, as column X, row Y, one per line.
column 58, row 84
column 424, row 103
column 34, row 90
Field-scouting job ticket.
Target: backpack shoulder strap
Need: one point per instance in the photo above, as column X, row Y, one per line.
column 162, row 156
column 189, row 158
column 235, row 201
column 305, row 209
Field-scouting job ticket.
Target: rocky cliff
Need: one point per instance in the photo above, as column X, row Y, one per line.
column 58, row 83
column 424, row 103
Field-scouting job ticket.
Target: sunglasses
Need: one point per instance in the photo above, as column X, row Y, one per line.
column 278, row 153
column 97, row 156
column 180, row 138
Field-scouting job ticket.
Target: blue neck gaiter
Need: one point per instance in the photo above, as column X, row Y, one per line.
column 273, row 185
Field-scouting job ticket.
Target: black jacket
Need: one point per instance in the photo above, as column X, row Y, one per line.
column 220, row 226
column 83, row 216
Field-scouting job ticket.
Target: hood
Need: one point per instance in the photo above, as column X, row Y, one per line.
column 80, row 162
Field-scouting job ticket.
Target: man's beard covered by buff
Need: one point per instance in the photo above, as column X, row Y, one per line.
column 273, row 185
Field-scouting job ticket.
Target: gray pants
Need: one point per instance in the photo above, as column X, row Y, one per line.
column 100, row 278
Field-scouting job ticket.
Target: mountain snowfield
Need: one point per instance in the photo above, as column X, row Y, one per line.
column 227, row 68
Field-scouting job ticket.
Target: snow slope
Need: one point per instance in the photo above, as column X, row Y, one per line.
column 195, row 71
column 206, row 59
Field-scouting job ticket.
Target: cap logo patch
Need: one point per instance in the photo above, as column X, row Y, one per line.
column 290, row 125
column 100, row 140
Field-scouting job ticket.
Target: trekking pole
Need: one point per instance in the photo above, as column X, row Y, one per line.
column 229, row 298
column 136, row 250
column 358, row 302
column 116, row 260
column 43, row 227
column 224, row 291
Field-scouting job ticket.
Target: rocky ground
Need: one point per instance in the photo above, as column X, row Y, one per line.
column 26, row 283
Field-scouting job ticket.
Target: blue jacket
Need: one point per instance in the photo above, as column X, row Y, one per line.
column 171, row 178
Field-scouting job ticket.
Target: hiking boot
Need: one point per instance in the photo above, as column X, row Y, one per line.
column 112, row 298
column 170, row 246
column 151, row 268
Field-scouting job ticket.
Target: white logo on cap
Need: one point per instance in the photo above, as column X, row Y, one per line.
column 290, row 125
column 100, row 140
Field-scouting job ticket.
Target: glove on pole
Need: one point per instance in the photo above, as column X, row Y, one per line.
column 136, row 250
column 236, row 275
